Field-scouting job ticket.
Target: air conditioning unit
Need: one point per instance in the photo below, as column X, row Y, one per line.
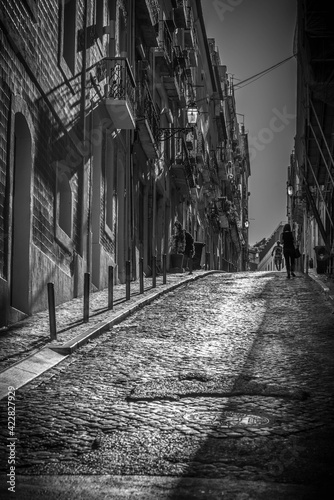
column 110, row 30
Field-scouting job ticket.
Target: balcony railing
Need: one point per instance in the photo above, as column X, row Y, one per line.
column 150, row 113
column 147, row 16
column 180, row 14
column 164, row 51
column 120, row 92
column 154, row 9
column 121, row 81
column 200, row 148
column 172, row 86
column 147, row 121
column 190, row 40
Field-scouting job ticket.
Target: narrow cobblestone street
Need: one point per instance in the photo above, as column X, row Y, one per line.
column 220, row 389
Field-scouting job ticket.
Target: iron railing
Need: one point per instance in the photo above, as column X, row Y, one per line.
column 154, row 8
column 121, row 80
column 149, row 112
column 165, row 40
column 200, row 147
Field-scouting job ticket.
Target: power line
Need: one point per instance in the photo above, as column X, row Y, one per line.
column 255, row 77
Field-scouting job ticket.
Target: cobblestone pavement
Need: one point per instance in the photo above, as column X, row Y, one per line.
column 222, row 388
column 33, row 333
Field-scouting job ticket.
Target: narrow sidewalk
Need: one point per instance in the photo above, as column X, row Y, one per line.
column 325, row 281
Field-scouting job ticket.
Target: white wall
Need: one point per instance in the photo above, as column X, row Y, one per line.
column 267, row 263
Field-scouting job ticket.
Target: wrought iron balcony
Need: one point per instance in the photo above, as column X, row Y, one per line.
column 148, row 123
column 180, row 14
column 172, row 87
column 200, row 148
column 120, row 93
column 164, row 51
column 222, row 174
column 183, row 176
column 190, row 41
column 147, row 15
column 181, row 57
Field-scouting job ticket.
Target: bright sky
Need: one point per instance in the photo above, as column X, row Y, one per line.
column 252, row 36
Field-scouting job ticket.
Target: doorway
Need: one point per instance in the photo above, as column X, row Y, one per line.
column 21, row 217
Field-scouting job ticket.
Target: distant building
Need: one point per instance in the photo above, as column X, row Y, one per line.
column 253, row 258
column 310, row 189
column 266, row 261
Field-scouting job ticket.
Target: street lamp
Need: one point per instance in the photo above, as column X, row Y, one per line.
column 298, row 195
column 246, row 223
column 192, row 114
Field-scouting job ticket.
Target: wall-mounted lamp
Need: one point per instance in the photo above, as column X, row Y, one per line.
column 298, row 195
column 246, row 224
column 192, row 114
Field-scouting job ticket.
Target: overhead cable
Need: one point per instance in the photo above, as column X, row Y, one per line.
column 255, row 77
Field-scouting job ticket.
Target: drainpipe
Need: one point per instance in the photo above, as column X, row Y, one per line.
column 132, row 149
column 86, row 223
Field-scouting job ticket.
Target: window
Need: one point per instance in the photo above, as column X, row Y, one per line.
column 110, row 185
column 68, row 30
column 99, row 18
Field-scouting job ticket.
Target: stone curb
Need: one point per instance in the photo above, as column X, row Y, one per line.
column 327, row 291
column 49, row 356
column 72, row 345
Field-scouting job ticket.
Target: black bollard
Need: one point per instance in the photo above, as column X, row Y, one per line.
column 164, row 268
column 141, row 274
column 127, row 279
column 111, row 287
column 86, row 297
column 154, row 271
column 52, row 311
column 190, row 265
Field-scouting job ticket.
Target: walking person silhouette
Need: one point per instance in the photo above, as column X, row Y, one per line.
column 277, row 252
column 288, row 250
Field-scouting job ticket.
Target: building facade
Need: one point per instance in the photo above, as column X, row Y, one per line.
column 101, row 152
column 310, row 183
column 266, row 260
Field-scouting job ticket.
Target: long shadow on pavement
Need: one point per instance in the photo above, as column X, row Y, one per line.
column 274, row 437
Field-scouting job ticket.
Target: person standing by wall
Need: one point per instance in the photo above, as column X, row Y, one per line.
column 189, row 251
column 288, row 250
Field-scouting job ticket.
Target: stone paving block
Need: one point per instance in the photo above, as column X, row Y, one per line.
column 271, row 424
